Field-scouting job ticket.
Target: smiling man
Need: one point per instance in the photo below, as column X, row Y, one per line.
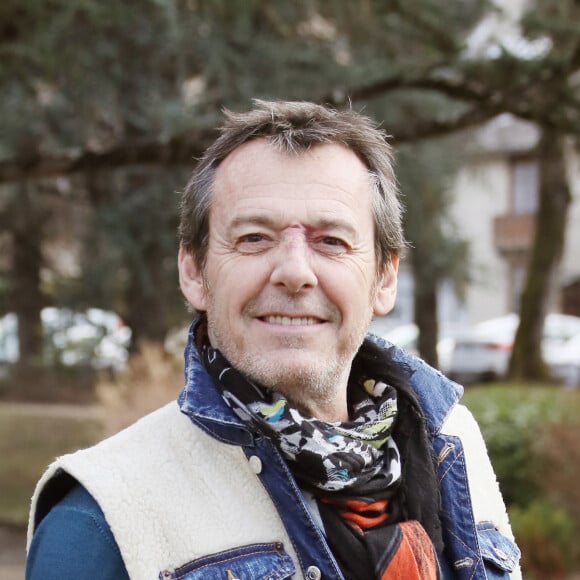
column 300, row 446
column 294, row 236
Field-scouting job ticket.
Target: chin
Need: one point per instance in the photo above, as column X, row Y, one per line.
column 297, row 381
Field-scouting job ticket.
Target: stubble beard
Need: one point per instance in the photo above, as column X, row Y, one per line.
column 308, row 385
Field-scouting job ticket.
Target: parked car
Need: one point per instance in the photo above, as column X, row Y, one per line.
column 94, row 337
column 406, row 336
column 483, row 354
column 564, row 361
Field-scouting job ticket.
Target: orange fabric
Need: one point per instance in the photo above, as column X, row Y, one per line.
column 358, row 505
column 358, row 513
column 363, row 522
column 360, row 510
column 415, row 558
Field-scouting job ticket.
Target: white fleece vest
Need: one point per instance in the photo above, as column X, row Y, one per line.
column 172, row 494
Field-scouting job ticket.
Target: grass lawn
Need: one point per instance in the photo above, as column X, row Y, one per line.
column 28, row 443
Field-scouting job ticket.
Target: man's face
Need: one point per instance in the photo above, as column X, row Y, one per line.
column 290, row 281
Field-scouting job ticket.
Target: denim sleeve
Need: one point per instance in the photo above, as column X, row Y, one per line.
column 75, row 541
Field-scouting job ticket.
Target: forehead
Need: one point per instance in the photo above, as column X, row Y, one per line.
column 324, row 172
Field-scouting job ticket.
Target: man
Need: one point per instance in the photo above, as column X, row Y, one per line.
column 299, row 448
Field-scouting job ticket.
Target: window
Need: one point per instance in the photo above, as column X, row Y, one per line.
column 525, row 186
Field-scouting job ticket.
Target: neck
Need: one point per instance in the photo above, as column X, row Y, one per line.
column 330, row 409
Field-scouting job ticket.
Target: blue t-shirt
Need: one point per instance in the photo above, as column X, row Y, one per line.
column 74, row 540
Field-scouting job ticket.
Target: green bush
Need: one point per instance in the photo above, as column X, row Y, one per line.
column 547, row 536
column 514, row 420
column 533, row 439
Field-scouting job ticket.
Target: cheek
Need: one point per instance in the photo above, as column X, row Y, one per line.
column 231, row 288
column 248, row 276
column 351, row 284
column 239, row 269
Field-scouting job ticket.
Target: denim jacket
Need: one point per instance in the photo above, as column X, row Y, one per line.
column 474, row 550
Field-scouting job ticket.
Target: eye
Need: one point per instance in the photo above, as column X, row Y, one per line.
column 253, row 242
column 332, row 241
column 252, row 238
column 333, row 245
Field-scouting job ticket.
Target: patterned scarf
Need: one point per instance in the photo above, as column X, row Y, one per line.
column 353, row 468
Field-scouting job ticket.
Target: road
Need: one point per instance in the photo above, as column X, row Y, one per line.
column 12, row 553
column 13, row 539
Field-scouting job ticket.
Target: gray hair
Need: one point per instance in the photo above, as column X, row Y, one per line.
column 294, row 127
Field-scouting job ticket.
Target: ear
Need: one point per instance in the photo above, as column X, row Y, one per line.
column 191, row 280
column 387, row 288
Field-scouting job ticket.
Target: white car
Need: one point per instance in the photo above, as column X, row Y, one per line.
column 564, row 361
column 406, row 336
column 94, row 337
column 484, row 353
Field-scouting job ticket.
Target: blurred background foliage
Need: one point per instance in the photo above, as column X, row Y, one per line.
column 106, row 105
column 532, row 437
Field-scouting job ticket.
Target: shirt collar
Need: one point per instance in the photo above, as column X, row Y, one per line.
column 437, row 395
column 202, row 402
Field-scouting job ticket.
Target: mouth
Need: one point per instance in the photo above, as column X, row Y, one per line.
column 291, row 320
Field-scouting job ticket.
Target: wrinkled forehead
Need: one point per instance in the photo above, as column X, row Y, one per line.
column 260, row 161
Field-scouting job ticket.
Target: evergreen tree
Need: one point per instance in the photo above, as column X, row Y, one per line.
column 106, row 86
column 437, row 252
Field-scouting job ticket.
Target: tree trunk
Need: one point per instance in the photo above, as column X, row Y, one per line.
column 26, row 298
column 526, row 362
column 145, row 312
column 425, row 302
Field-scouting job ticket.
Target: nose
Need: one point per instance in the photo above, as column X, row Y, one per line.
column 292, row 267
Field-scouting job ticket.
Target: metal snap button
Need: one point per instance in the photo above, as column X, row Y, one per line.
column 464, row 563
column 255, row 464
column 313, row 573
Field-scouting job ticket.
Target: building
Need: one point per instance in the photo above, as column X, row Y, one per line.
column 496, row 200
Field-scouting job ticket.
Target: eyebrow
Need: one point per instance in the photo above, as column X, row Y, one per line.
column 259, row 219
column 262, row 219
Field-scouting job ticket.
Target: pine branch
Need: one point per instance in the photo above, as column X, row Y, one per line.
column 521, row 100
column 180, row 149
column 456, row 89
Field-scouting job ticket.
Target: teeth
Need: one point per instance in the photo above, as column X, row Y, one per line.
column 287, row 321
